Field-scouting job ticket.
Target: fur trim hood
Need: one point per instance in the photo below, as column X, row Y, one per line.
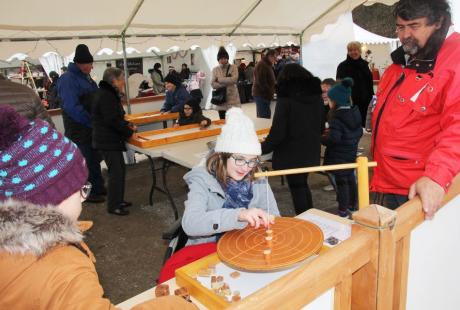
column 27, row 228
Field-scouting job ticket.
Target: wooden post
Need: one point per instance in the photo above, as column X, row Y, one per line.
column 342, row 294
column 363, row 182
column 401, row 272
column 373, row 284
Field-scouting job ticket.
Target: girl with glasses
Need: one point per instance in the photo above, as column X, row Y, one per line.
column 192, row 114
column 224, row 195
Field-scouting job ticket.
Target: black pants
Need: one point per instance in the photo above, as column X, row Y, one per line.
column 222, row 114
column 390, row 201
column 346, row 190
column 93, row 162
column 116, row 172
column 300, row 192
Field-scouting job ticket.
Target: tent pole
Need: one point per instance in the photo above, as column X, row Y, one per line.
column 125, row 65
column 123, row 41
column 256, row 4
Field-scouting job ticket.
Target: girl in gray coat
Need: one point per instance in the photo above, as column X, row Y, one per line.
column 224, row 195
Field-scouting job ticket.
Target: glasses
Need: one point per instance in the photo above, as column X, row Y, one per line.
column 85, row 190
column 240, row 161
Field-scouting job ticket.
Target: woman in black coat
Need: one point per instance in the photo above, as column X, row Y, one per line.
column 295, row 135
column 110, row 132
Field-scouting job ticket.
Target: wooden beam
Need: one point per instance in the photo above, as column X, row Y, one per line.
column 342, row 294
column 150, row 117
column 401, row 272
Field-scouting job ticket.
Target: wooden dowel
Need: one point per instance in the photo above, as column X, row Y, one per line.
column 311, row 169
column 363, row 182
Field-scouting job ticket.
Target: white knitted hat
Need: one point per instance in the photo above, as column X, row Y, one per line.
column 238, row 135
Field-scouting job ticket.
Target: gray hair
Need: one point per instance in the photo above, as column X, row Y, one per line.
column 111, row 74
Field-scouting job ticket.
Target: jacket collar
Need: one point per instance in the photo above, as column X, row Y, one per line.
column 29, row 229
column 109, row 87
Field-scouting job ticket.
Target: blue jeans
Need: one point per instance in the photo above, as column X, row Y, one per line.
column 93, row 162
column 263, row 107
column 390, row 201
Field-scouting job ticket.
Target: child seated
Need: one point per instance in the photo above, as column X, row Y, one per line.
column 341, row 143
column 192, row 114
column 223, row 194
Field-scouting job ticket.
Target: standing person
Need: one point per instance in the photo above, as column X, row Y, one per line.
column 44, row 261
column 76, row 88
column 223, row 194
column 249, row 76
column 23, row 99
column 225, row 75
column 416, row 121
column 110, row 132
column 358, row 69
column 263, row 88
column 295, row 134
column 341, row 143
column 54, row 102
column 158, row 84
column 176, row 94
column 184, row 72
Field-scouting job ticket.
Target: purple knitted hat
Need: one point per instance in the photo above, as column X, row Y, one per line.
column 37, row 163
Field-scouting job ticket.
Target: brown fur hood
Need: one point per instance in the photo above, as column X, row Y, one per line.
column 27, row 228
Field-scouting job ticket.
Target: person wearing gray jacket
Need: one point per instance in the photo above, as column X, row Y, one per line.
column 223, row 193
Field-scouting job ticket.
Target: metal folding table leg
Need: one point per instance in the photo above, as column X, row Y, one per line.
column 164, row 190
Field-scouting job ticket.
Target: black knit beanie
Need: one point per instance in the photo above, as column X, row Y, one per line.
column 82, row 55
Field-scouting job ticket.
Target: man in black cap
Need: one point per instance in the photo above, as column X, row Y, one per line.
column 75, row 89
column 176, row 94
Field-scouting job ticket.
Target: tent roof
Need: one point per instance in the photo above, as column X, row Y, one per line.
column 368, row 37
column 32, row 28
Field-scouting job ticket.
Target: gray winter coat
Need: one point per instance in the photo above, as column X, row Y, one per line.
column 204, row 216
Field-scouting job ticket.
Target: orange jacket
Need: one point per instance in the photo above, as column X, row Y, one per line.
column 416, row 121
column 43, row 262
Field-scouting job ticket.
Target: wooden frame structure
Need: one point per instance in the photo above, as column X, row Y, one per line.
column 368, row 271
column 150, row 138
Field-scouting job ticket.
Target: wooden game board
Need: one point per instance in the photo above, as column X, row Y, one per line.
column 293, row 241
column 160, row 137
column 150, row 117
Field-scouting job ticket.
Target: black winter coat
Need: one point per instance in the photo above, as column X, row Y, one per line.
column 344, row 133
column 363, row 86
column 295, row 134
column 110, row 130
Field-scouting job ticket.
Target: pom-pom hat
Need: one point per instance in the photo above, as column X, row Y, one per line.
column 341, row 93
column 222, row 53
column 238, row 135
column 37, row 163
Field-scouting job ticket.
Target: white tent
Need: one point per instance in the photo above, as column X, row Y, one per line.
column 334, row 40
column 33, row 27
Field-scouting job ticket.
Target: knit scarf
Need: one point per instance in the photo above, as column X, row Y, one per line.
column 238, row 194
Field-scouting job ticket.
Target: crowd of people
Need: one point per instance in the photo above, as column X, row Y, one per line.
column 45, row 175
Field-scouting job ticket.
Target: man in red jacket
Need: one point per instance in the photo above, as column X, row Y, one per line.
column 416, row 122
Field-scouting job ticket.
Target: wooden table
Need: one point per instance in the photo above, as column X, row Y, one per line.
column 341, row 223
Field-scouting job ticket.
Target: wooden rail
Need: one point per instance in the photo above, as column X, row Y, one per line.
column 150, row 117
column 361, row 165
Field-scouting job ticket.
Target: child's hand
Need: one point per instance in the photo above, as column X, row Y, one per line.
column 203, row 124
column 176, row 125
column 256, row 217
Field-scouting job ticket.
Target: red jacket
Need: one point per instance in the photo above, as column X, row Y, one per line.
column 416, row 121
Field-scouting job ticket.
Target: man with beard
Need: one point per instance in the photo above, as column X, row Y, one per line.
column 416, row 121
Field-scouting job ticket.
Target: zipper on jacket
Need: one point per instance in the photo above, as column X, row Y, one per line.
column 377, row 121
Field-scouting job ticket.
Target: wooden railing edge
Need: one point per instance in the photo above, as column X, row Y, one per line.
column 333, row 268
